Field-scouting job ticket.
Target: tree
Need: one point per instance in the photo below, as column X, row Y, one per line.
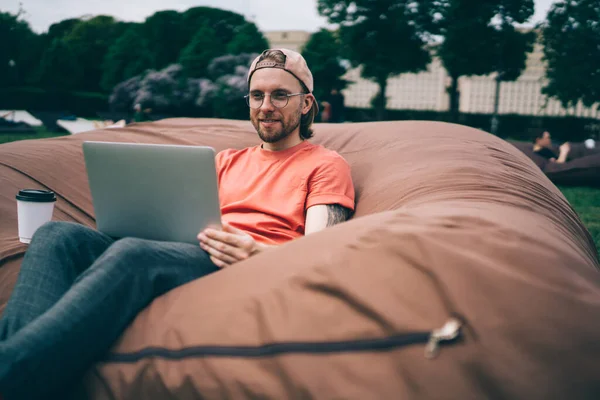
column 59, row 67
column 474, row 45
column 90, row 41
column 196, row 56
column 384, row 37
column 247, row 39
column 322, row 53
column 229, row 64
column 223, row 22
column 61, row 29
column 124, row 94
column 129, row 56
column 229, row 75
column 571, row 38
column 166, row 31
column 17, row 59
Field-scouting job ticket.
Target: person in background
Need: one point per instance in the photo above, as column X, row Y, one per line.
column 542, row 146
column 141, row 115
column 336, row 100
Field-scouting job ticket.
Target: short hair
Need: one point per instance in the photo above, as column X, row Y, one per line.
column 537, row 134
column 306, row 120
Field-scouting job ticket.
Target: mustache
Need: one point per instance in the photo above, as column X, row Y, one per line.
column 267, row 116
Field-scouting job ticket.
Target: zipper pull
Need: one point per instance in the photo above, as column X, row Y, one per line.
column 449, row 331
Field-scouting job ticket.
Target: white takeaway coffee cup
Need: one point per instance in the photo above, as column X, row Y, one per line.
column 34, row 208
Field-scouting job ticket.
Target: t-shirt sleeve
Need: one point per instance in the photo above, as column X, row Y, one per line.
column 331, row 183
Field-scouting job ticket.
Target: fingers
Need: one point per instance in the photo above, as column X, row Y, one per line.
column 232, row 250
column 219, row 258
column 222, row 250
column 219, row 263
column 221, row 236
column 226, row 246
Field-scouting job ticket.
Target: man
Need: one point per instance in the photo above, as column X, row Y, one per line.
column 542, row 146
column 79, row 289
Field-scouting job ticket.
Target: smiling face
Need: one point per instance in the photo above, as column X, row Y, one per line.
column 278, row 126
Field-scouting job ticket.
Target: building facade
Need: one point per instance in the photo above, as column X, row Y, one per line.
column 427, row 90
column 293, row 40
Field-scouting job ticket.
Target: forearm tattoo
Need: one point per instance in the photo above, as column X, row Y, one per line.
column 337, row 214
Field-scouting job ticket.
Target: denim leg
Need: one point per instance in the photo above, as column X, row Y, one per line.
column 52, row 352
column 59, row 252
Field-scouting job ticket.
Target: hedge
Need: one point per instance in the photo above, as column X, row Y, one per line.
column 36, row 99
column 517, row 127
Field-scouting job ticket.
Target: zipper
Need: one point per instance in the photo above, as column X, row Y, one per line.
column 449, row 332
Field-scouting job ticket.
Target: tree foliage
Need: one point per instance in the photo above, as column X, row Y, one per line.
column 166, row 31
column 61, row 29
column 90, row 41
column 16, row 42
column 223, row 22
column 107, row 51
column 196, row 56
column 247, row 39
column 59, row 67
column 384, row 37
column 323, row 53
column 229, row 75
column 480, row 38
column 129, row 56
column 229, row 64
column 571, row 38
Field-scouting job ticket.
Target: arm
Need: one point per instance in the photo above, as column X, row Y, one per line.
column 565, row 148
column 321, row 216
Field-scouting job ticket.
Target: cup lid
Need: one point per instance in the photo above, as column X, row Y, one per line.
column 36, row 195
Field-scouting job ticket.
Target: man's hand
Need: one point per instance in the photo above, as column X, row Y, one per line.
column 229, row 245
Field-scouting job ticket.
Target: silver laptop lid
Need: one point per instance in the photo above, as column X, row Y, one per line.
column 152, row 191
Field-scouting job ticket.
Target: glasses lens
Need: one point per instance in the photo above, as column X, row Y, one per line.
column 254, row 100
column 279, row 100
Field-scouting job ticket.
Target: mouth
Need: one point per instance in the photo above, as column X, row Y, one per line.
column 269, row 122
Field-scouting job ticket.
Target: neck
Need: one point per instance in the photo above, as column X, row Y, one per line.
column 290, row 141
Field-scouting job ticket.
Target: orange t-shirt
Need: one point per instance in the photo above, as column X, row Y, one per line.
column 266, row 193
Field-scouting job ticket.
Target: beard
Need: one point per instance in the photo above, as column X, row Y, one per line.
column 281, row 130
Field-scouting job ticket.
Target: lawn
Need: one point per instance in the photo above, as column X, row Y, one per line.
column 585, row 201
column 38, row 134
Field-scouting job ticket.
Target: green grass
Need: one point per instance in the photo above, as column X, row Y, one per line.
column 40, row 133
column 585, row 201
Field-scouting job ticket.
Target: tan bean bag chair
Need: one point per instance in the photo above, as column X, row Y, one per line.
column 453, row 225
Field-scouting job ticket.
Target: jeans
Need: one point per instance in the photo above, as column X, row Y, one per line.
column 77, row 291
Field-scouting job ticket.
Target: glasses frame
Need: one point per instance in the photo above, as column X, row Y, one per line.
column 247, row 97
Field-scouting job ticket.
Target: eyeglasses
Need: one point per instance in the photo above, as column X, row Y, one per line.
column 278, row 99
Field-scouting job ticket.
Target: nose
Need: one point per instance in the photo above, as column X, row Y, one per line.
column 267, row 105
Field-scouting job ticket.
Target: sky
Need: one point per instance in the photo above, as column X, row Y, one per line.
column 268, row 15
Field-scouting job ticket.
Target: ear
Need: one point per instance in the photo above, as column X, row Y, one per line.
column 309, row 100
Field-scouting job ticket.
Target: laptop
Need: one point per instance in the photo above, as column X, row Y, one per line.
column 152, row 191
